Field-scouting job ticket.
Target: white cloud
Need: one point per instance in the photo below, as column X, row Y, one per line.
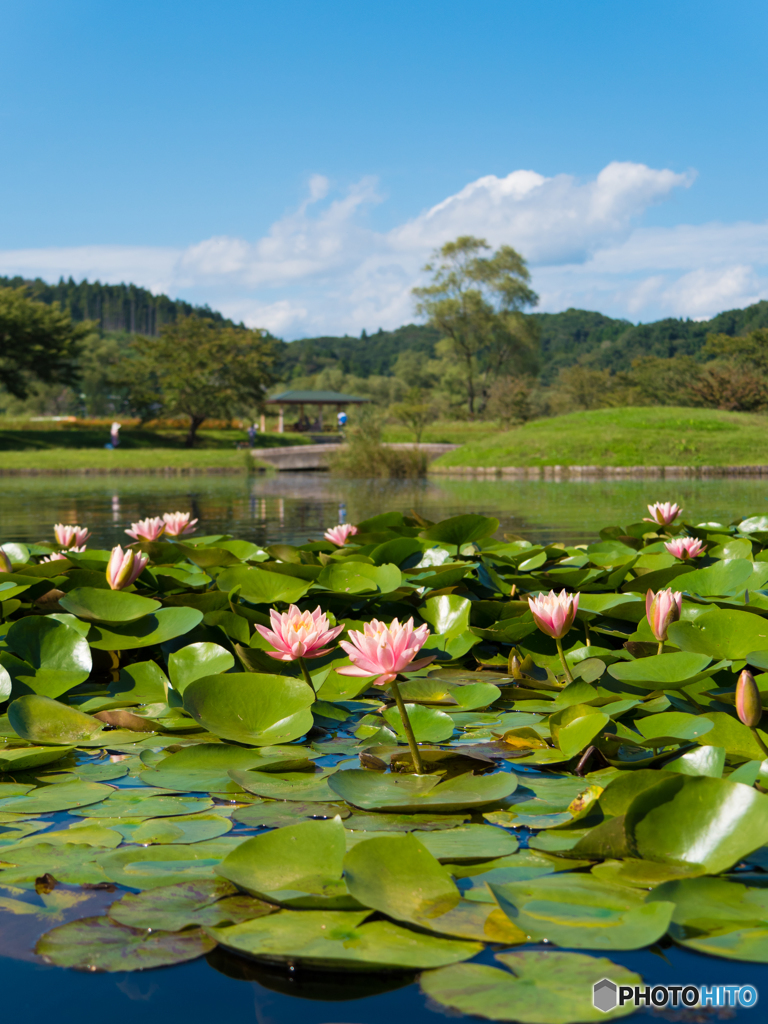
column 322, row 269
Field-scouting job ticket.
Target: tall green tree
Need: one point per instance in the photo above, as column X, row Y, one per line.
column 38, row 342
column 200, row 370
column 477, row 301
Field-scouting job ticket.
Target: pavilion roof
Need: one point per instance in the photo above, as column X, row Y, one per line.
column 314, row 398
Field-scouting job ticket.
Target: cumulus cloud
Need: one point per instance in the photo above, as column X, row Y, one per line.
column 322, row 269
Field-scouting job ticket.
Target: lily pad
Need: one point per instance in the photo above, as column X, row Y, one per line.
column 276, row 813
column 302, row 786
column 197, row 660
column 252, row 708
column 662, row 671
column 721, row 633
column 58, row 657
column 299, row 865
column 143, row 803
column 173, row 907
column 22, row 758
column 99, row 605
column 99, row 944
column 157, row 628
column 262, row 587
column 45, row 721
column 65, row 797
column 341, row 939
column 545, row 987
column 429, row 725
column 182, row 828
column 415, row 793
column 360, row 578
column 150, row 867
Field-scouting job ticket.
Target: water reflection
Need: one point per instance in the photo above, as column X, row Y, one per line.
column 296, row 506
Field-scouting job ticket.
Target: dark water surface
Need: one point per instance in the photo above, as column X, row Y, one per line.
column 294, row 507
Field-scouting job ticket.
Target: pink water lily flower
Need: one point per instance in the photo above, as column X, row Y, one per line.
column 684, row 547
column 340, row 534
column 554, row 613
column 663, row 513
column 147, row 529
column 384, row 651
column 178, row 523
column 124, row 567
column 662, row 610
column 70, row 536
column 296, row 634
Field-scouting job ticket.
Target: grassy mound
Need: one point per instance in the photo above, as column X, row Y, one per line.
column 636, row 436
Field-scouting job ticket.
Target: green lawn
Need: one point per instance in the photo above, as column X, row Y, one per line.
column 636, row 436
column 136, row 460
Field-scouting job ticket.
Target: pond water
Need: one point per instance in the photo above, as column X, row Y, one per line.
column 294, row 507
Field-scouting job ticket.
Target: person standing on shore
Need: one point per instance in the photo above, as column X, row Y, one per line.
column 114, row 434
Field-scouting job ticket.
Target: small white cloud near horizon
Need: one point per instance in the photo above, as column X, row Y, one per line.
column 321, row 269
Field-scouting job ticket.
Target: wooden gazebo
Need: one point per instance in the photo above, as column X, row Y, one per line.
column 318, row 398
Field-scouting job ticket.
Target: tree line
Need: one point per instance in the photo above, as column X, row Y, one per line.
column 482, row 352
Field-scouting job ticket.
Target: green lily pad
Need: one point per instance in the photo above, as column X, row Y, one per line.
column 65, row 797
column 673, row 726
column 328, row 939
column 45, row 721
column 150, row 867
column 460, row 530
column 720, row 579
column 157, row 628
column 22, row 758
column 721, row 633
column 468, row 843
column 706, row 821
column 182, row 828
column 197, row 660
column 99, row 944
column 662, row 671
column 262, row 587
column 299, row 865
column 545, row 987
column 252, row 708
column 707, row 760
column 582, row 912
column 74, row 864
column 276, row 813
column 414, row 793
column 429, row 725
column 734, row 737
column 302, row 786
column 447, row 614
column 360, row 578
column 372, row 822
column 56, row 657
column 173, row 907
column 98, row 605
column 144, row 803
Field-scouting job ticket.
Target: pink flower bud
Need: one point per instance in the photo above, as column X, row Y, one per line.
column 340, row 534
column 554, row 613
column 663, row 513
column 749, row 706
column 684, row 547
column 662, row 609
column 299, row 634
column 124, row 567
column 384, row 651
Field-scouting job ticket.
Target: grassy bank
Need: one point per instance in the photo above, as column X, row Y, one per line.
column 637, row 436
column 133, row 439
column 151, row 460
column 443, row 432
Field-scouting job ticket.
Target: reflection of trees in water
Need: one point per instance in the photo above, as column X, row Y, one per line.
column 293, row 507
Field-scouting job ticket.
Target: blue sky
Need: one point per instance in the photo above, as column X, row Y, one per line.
column 293, row 164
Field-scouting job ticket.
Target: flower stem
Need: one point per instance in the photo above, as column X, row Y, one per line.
column 408, row 730
column 660, row 648
column 568, row 676
column 307, row 676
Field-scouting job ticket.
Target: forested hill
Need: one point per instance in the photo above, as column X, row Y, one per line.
column 115, row 307
column 565, row 337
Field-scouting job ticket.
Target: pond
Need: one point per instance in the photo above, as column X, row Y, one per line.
column 293, row 508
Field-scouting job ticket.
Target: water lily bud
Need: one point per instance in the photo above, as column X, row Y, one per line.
column 5, row 562
column 662, row 609
column 515, row 665
column 749, row 707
